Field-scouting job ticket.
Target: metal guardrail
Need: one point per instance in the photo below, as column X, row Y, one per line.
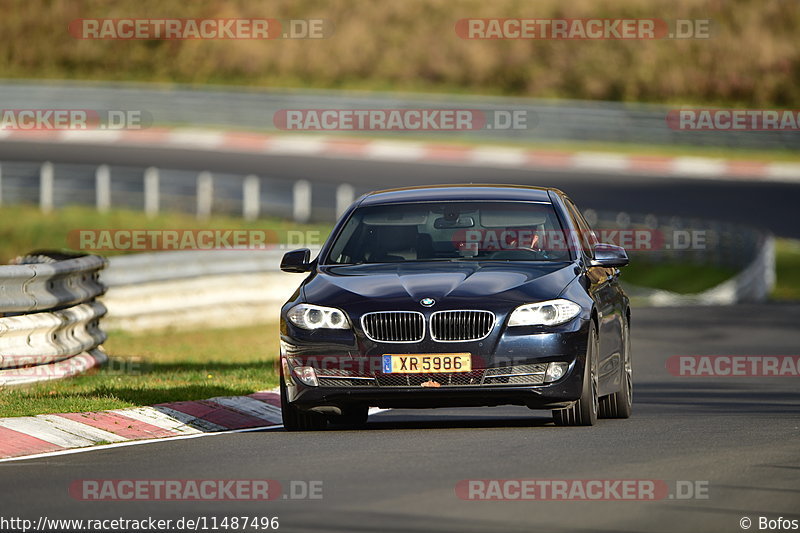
column 678, row 239
column 188, row 289
column 153, row 189
column 548, row 120
column 51, row 325
column 31, row 287
column 753, row 284
column 176, row 265
column 43, row 338
column 744, row 249
column 227, row 300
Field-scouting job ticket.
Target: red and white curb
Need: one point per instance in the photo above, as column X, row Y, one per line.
column 67, row 368
column 50, row 434
column 427, row 152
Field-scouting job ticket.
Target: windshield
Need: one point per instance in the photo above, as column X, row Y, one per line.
column 450, row 231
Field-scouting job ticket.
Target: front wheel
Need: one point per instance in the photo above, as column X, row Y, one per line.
column 295, row 419
column 584, row 411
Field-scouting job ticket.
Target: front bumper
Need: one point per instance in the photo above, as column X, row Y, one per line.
column 332, row 399
column 508, row 371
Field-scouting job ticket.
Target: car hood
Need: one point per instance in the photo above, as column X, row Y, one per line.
column 451, row 284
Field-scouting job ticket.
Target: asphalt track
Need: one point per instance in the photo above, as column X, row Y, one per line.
column 738, row 435
column 770, row 205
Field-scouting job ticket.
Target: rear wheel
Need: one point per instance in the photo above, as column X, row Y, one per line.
column 295, row 419
column 584, row 411
column 620, row 404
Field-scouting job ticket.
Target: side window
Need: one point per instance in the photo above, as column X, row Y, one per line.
column 587, row 237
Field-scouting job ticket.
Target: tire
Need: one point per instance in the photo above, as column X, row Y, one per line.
column 584, row 411
column 295, row 419
column 620, row 404
column 351, row 418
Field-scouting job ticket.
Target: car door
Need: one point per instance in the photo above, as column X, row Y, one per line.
column 607, row 295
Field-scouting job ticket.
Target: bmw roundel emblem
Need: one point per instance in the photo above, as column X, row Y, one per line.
column 427, row 302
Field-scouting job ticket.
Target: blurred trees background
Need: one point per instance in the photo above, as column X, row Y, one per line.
column 752, row 57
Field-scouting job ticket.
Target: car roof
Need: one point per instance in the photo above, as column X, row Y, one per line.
column 487, row 192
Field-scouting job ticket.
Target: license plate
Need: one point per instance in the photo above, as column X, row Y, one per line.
column 433, row 363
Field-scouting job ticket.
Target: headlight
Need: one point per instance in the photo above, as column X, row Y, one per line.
column 308, row 316
column 549, row 313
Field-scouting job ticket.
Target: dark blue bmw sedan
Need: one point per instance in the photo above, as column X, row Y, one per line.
column 458, row 295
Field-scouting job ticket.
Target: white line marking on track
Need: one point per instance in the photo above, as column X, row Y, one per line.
column 196, row 138
column 698, row 166
column 156, row 418
column 372, row 411
column 132, row 443
column 190, row 420
column 504, row 157
column 295, row 145
column 82, row 430
column 44, row 430
column 600, row 160
column 395, row 150
column 251, row 406
column 90, row 136
column 784, row 172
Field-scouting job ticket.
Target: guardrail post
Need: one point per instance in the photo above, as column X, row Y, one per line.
column 205, row 194
column 251, row 197
column 46, row 187
column 301, row 193
column 151, row 191
column 344, row 197
column 102, row 185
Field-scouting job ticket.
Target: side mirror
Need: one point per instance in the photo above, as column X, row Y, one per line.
column 297, row 261
column 609, row 255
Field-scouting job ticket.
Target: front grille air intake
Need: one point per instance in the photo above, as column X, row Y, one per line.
column 394, row 326
column 452, row 326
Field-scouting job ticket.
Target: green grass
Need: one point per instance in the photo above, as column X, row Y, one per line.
column 675, row 277
column 25, row 228
column 159, row 367
column 787, row 270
